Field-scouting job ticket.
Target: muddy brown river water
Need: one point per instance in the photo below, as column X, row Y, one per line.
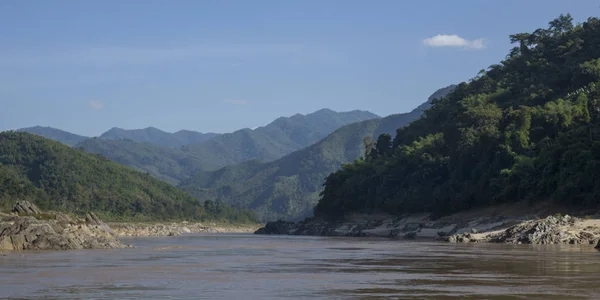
column 245, row 266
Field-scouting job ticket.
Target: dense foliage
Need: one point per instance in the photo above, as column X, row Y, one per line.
column 58, row 177
column 289, row 187
column 528, row 128
column 168, row 164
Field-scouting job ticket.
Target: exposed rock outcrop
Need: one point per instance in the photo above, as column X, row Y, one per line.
column 277, row 227
column 26, row 208
column 550, row 230
column 407, row 227
column 176, row 229
column 52, row 231
column 502, row 224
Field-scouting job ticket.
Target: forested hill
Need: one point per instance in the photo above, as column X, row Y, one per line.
column 289, row 187
column 165, row 163
column 58, row 177
column 171, row 164
column 62, row 136
column 525, row 129
column 275, row 140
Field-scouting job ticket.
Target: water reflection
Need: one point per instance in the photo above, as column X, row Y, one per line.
column 280, row 267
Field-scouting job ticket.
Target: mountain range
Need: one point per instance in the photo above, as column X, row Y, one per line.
column 276, row 170
column 158, row 137
column 58, row 177
column 278, row 138
column 156, row 152
column 288, row 188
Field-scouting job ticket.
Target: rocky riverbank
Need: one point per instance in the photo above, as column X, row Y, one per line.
column 515, row 224
column 176, row 229
column 28, row 228
column 550, row 230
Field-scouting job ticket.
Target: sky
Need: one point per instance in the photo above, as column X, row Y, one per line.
column 222, row 65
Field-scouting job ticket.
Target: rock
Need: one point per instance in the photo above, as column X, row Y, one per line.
column 56, row 231
column 173, row 229
column 597, row 246
column 550, row 230
column 26, row 208
column 277, row 227
column 410, row 235
column 92, row 219
column 452, row 239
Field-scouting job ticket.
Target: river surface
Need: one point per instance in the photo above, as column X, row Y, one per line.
column 245, row 266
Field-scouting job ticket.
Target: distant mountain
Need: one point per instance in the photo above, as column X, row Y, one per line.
column 193, row 137
column 158, row 137
column 58, row 135
column 279, row 138
column 169, row 164
column 58, row 177
column 289, row 187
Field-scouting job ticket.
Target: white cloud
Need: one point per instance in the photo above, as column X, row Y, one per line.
column 453, row 40
column 95, row 105
column 236, row 101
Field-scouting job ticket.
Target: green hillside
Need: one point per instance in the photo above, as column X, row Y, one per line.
column 173, row 165
column 277, row 139
column 527, row 129
column 58, row 177
column 58, row 135
column 289, row 187
column 168, row 164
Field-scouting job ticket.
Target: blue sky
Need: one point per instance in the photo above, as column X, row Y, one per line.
column 87, row 66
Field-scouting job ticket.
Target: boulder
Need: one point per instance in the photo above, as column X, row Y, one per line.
column 410, row 235
column 93, row 220
column 550, row 230
column 543, row 231
column 277, row 227
column 26, row 208
column 55, row 231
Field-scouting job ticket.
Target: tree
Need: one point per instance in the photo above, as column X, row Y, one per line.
column 524, row 130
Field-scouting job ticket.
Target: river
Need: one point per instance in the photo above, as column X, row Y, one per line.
column 245, row 266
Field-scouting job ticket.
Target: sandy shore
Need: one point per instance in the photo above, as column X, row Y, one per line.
column 179, row 228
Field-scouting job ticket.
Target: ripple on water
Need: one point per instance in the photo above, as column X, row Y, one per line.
column 270, row 267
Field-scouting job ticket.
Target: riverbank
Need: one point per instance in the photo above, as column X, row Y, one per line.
column 26, row 227
column 29, row 228
column 515, row 223
column 178, row 228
